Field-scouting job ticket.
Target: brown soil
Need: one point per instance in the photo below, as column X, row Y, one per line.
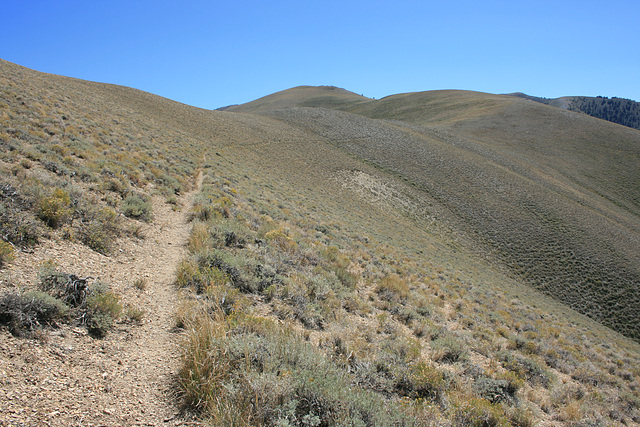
column 67, row 378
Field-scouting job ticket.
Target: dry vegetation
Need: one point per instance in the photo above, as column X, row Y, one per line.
column 519, row 196
column 291, row 321
column 333, row 274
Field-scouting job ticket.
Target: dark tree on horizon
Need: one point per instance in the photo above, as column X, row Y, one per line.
column 617, row 110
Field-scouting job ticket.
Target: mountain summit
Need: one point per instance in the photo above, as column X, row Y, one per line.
column 301, row 96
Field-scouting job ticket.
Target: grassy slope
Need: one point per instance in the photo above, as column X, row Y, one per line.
column 296, row 174
column 297, row 184
column 518, row 191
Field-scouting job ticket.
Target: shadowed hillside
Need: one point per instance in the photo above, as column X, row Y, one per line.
column 350, row 262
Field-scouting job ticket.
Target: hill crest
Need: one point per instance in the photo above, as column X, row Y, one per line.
column 300, row 96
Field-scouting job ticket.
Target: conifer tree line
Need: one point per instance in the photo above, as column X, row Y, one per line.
column 617, row 110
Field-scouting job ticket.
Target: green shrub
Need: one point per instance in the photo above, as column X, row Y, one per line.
column 479, row 413
column 240, row 270
column 495, row 390
column 20, row 227
column 229, row 233
column 427, row 382
column 198, row 277
column 249, row 371
column 587, row 373
column 448, row 349
column 54, row 210
column 134, row 314
column 115, row 185
column 103, row 307
column 97, row 238
column 99, row 228
column 30, row 310
column 99, row 324
column 137, row 207
column 7, row 253
column 393, row 289
column 207, row 208
column 525, row 368
column 348, row 279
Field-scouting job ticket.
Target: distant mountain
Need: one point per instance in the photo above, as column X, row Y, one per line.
column 622, row 111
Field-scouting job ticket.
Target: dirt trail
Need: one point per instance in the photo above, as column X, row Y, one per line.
column 70, row 379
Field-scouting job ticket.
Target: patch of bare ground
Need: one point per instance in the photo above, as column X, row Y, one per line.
column 67, row 378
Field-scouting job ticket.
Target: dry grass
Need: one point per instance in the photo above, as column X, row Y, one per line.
column 419, row 339
column 519, row 194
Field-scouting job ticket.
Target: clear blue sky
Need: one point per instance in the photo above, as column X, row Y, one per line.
column 215, row 53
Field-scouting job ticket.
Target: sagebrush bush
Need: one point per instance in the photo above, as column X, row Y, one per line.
column 207, row 209
column 20, row 227
column 54, row 210
column 31, row 310
column 137, row 207
column 134, row 314
column 98, row 228
column 115, row 185
column 199, row 277
column 245, row 370
column 239, row 269
column 7, row 253
column 393, row 289
column 427, row 382
column 526, row 368
column 448, row 349
column 478, row 413
column 103, row 308
column 230, row 233
column 140, row 284
column 280, row 237
column 495, row 390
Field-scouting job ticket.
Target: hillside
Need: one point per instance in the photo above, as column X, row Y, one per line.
column 515, row 190
column 351, row 265
column 617, row 110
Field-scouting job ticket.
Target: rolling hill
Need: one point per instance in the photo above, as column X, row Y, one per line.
column 430, row 258
column 301, row 96
column 549, row 193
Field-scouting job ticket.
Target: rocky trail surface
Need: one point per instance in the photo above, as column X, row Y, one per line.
column 66, row 377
